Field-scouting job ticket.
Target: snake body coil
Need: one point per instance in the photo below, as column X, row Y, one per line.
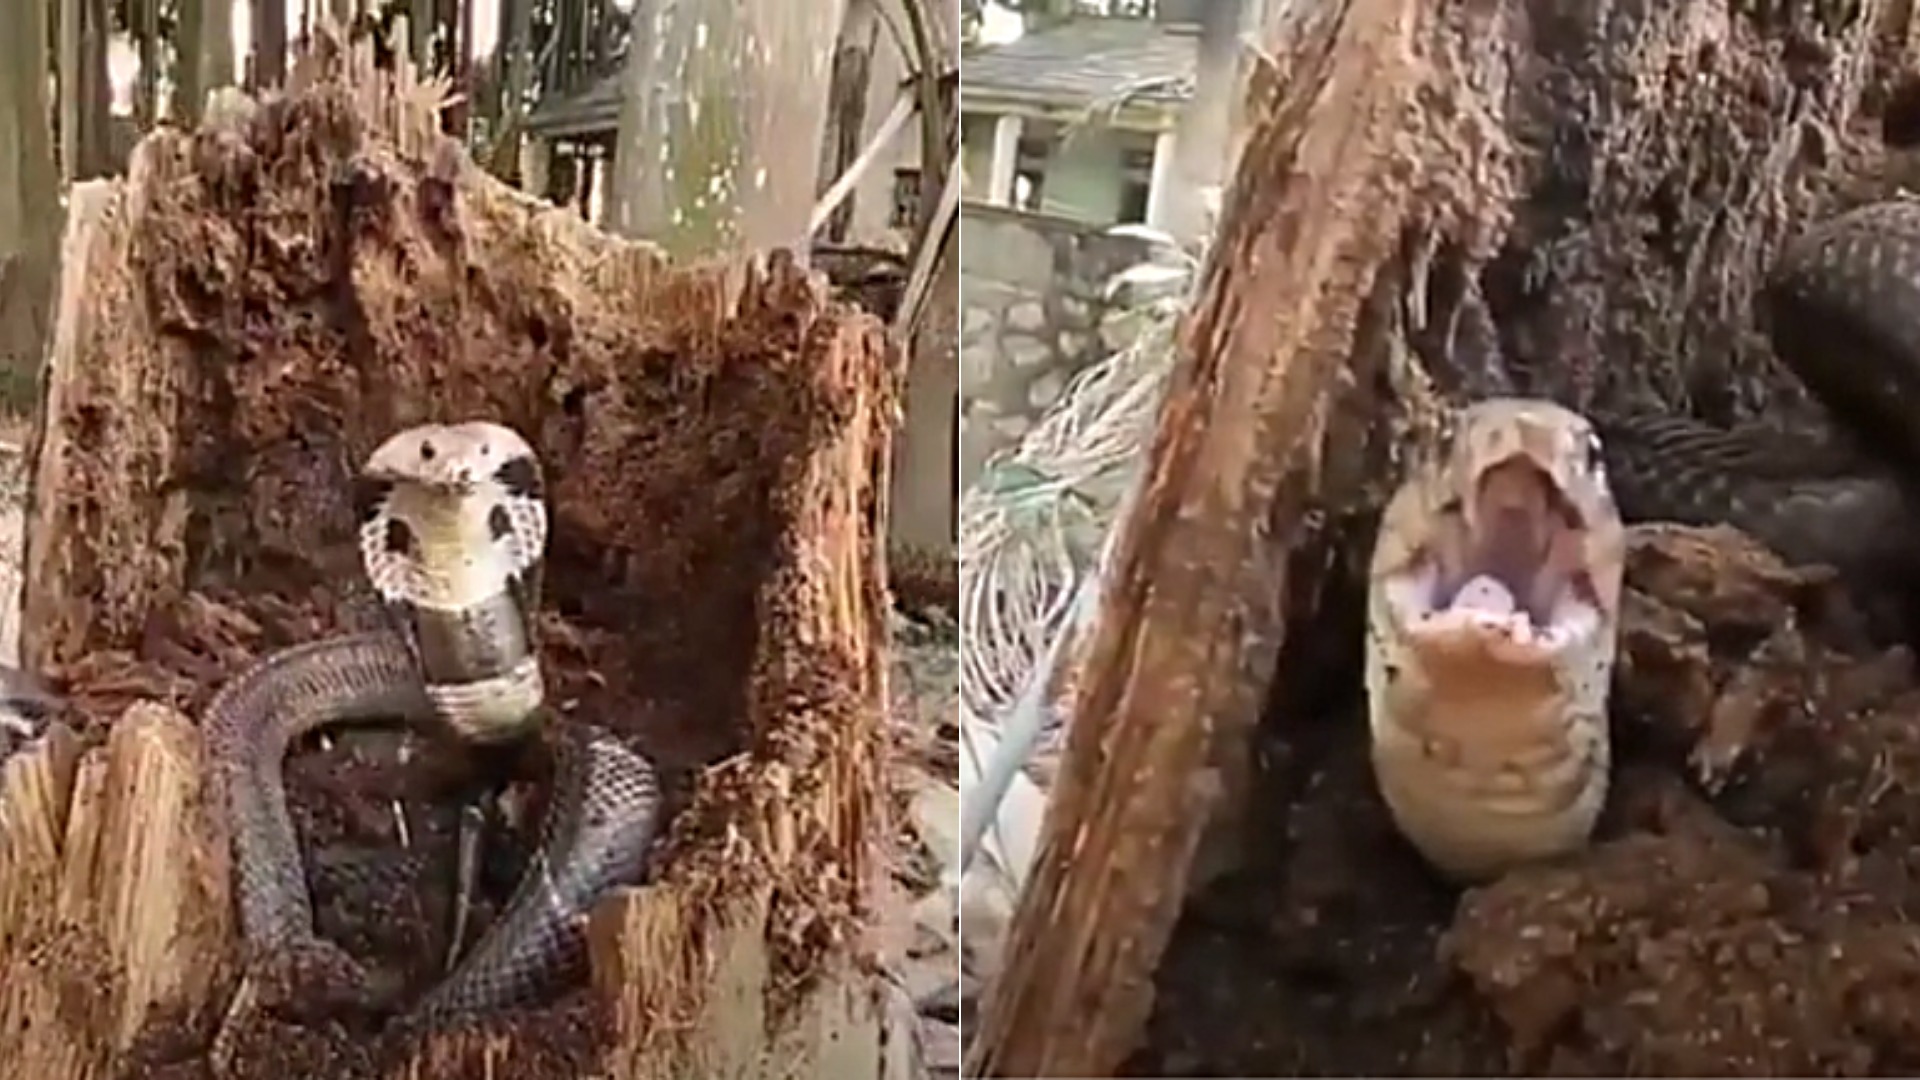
column 452, row 536
column 1840, row 303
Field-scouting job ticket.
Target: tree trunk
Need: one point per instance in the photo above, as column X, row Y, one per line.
column 751, row 934
column 926, row 482
column 459, row 117
column 146, row 87
column 1203, row 137
column 29, row 201
column 68, row 65
column 514, row 60
column 420, row 24
column 847, row 107
column 269, row 44
column 204, row 60
column 732, row 93
column 96, row 157
column 216, row 49
column 189, row 68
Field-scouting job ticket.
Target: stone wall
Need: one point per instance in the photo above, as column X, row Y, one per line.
column 1031, row 297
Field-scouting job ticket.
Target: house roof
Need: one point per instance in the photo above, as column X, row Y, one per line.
column 1085, row 61
column 590, row 111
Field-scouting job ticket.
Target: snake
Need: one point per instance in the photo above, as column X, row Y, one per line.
column 1496, row 575
column 1492, row 615
column 452, row 537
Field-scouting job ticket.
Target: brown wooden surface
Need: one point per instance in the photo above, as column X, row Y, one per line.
column 739, row 960
column 1185, row 638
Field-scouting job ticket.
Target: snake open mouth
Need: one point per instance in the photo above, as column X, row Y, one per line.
column 1506, row 570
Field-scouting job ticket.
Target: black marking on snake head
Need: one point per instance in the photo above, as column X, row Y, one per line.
column 399, row 540
column 520, row 476
column 499, row 523
column 370, row 497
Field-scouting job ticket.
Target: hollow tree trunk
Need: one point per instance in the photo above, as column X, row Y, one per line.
column 743, row 956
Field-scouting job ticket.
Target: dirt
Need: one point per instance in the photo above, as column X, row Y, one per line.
column 309, row 294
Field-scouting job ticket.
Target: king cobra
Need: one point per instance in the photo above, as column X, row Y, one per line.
column 452, row 536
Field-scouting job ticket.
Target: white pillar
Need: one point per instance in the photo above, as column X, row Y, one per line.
column 1159, row 180
column 1006, row 155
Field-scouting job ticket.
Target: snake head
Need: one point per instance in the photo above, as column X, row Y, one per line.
column 457, row 458
column 451, row 514
column 1508, row 541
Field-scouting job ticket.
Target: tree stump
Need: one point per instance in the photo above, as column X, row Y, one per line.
column 240, row 321
column 1435, row 201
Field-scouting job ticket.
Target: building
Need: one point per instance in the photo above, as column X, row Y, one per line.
column 1077, row 120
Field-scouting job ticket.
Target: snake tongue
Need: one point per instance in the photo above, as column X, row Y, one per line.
column 1512, row 534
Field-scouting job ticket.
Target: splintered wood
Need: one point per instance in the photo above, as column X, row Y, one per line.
column 111, row 875
column 1182, row 650
column 742, row 958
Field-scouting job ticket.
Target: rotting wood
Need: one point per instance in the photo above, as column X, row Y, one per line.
column 1172, row 683
column 108, row 856
column 773, row 862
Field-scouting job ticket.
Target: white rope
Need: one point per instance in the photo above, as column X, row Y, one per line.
column 1036, row 532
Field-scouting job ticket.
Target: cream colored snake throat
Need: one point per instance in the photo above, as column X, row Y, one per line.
column 453, row 534
column 1493, row 607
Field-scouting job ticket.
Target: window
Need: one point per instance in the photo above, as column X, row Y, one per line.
column 906, row 199
column 1030, row 165
column 1136, row 181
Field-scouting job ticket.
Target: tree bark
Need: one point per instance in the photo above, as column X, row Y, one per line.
column 730, row 95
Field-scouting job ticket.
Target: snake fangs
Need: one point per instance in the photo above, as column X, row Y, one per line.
column 1493, row 599
column 453, row 535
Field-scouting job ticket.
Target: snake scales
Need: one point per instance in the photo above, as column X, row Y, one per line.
column 1495, row 581
column 453, row 534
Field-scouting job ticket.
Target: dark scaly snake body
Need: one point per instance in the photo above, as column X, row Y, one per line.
column 453, row 533
column 1668, row 468
column 1841, row 304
